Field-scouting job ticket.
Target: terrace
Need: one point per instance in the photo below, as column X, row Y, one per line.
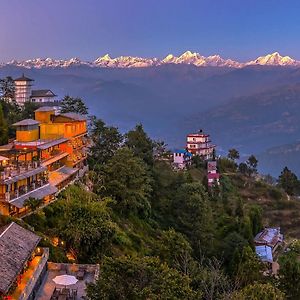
column 84, row 273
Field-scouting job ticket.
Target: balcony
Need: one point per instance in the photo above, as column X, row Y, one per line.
column 25, row 189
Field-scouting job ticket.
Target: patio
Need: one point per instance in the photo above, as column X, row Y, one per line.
column 84, row 273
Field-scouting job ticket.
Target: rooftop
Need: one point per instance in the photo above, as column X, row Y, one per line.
column 269, row 236
column 45, row 108
column 16, row 247
column 264, row 253
column 23, row 78
column 26, row 122
column 73, row 116
column 183, row 151
column 42, row 93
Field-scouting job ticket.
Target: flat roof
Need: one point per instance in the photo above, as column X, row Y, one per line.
column 16, row 246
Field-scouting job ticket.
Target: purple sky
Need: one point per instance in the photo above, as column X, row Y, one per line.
column 240, row 29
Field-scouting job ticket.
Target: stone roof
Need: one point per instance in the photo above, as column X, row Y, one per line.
column 42, row 93
column 16, row 246
column 26, row 122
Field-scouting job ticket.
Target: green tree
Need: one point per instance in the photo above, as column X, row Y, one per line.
column 142, row 146
column 86, row 226
column 249, row 269
column 233, row 154
column 3, row 128
column 289, row 274
column 252, row 163
column 243, row 168
column 288, row 181
column 193, row 216
column 7, row 88
column 139, row 278
column 258, row 291
column 32, row 203
column 175, row 250
column 128, row 182
column 75, row 105
column 105, row 142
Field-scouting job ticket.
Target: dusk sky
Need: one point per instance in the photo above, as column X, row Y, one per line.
column 239, row 29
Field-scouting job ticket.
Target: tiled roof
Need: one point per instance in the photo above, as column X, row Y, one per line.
column 16, row 247
column 23, row 78
column 42, row 93
column 26, row 122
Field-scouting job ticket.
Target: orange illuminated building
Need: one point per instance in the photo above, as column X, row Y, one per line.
column 49, row 152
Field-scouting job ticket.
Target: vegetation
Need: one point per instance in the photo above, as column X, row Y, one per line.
column 75, row 105
column 161, row 233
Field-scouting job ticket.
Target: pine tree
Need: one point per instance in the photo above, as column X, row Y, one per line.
column 3, row 128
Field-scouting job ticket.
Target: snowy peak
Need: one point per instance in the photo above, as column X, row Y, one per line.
column 274, row 59
column 188, row 57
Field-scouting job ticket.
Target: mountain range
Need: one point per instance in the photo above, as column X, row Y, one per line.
column 188, row 57
column 254, row 107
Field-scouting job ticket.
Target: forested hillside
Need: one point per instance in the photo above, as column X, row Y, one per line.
column 158, row 233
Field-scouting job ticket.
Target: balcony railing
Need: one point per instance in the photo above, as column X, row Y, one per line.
column 9, row 196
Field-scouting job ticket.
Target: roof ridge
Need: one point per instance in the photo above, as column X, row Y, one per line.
column 7, row 228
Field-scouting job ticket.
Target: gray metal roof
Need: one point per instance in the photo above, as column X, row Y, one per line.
column 52, row 143
column 16, row 246
column 24, row 175
column 39, row 193
column 26, row 122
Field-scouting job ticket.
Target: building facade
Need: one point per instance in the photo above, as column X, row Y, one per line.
column 48, row 153
column 213, row 176
column 181, row 159
column 23, row 86
column 200, row 144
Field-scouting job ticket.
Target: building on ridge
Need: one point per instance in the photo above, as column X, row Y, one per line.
column 200, row 144
column 24, row 93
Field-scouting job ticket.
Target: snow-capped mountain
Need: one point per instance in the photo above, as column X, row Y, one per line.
column 274, row 59
column 188, row 57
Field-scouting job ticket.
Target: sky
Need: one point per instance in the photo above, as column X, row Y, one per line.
column 237, row 29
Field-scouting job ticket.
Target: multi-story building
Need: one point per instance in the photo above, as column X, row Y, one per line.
column 23, row 89
column 48, row 153
column 200, row 144
column 24, row 93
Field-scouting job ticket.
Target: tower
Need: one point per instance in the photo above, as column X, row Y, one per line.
column 23, row 89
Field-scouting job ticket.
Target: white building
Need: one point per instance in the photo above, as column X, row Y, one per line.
column 200, row 144
column 23, row 89
column 42, row 96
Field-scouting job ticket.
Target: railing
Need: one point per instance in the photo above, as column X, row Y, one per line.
column 15, row 170
column 25, row 190
column 35, row 276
